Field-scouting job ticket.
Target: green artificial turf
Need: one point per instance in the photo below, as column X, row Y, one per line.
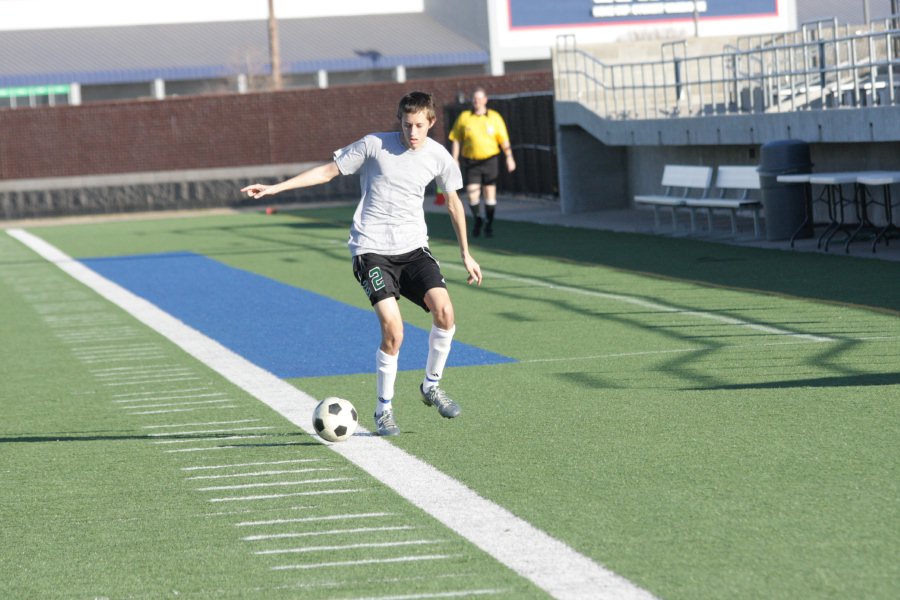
column 708, row 421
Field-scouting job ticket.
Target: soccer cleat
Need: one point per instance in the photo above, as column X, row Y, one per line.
column 489, row 229
column 438, row 398
column 385, row 424
column 476, row 228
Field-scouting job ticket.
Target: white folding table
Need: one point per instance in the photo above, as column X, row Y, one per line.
column 837, row 202
column 884, row 180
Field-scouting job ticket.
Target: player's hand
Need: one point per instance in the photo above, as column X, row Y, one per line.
column 257, row 190
column 473, row 269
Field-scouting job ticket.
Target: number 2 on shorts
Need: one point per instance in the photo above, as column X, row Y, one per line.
column 376, row 278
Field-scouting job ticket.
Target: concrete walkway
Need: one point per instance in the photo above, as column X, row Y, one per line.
column 547, row 212
column 641, row 221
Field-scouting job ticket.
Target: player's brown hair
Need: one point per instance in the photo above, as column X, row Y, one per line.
column 415, row 102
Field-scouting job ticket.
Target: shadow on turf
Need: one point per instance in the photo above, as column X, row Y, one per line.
column 829, row 277
column 275, row 243
column 861, row 380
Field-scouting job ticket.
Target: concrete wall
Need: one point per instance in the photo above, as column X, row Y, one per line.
column 468, row 18
column 163, row 190
column 840, row 140
column 863, row 125
column 590, row 172
column 645, row 163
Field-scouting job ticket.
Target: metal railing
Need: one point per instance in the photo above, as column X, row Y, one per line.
column 822, row 66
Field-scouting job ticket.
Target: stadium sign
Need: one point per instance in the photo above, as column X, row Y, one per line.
column 34, row 90
column 534, row 13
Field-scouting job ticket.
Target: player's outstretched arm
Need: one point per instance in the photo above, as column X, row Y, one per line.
column 315, row 176
column 458, row 219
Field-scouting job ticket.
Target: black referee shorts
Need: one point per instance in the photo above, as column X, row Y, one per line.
column 481, row 172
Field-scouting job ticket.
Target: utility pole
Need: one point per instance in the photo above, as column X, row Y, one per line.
column 274, row 48
column 696, row 20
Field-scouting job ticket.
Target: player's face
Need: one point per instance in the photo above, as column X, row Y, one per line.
column 479, row 102
column 415, row 128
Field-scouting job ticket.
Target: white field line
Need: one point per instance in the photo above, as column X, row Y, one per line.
column 63, row 320
column 151, row 394
column 115, row 371
column 356, row 546
column 375, row 561
column 167, row 404
column 371, row 515
column 85, row 306
column 635, row 301
column 249, row 486
column 108, row 372
column 435, row 595
column 128, row 374
column 85, row 336
column 96, row 338
column 110, row 351
column 117, row 348
column 252, row 511
column 318, row 519
column 250, row 464
column 150, row 380
column 202, row 449
column 290, row 495
column 120, row 379
column 545, row 561
column 287, row 536
column 206, row 431
column 226, row 438
column 120, row 359
column 123, row 358
column 183, row 410
column 198, row 424
column 81, row 334
column 155, row 398
column 262, row 473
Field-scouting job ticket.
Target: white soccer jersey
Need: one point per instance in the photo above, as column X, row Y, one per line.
column 390, row 217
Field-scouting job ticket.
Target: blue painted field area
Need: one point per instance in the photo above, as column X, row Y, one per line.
column 288, row 331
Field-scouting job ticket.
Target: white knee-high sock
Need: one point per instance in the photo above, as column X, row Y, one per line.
column 439, row 341
column 386, row 369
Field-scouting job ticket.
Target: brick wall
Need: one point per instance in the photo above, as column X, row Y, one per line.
column 200, row 132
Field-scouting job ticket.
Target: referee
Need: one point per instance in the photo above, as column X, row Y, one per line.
column 481, row 135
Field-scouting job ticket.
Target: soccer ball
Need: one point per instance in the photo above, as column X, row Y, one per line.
column 335, row 419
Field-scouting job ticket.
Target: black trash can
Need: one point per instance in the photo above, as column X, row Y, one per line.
column 784, row 203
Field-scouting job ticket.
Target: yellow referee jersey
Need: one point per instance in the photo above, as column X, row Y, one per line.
column 480, row 136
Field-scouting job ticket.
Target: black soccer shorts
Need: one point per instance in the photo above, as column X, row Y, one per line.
column 410, row 275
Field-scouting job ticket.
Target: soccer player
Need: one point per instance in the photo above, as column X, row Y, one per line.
column 481, row 132
column 389, row 241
